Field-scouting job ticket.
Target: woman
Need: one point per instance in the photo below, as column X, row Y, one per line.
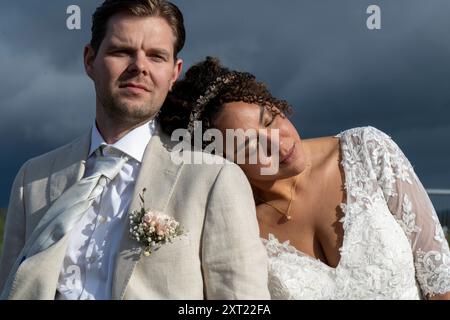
column 345, row 217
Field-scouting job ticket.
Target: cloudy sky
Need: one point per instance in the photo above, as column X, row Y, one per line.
column 317, row 54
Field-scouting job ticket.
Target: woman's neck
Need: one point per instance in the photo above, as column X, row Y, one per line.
column 282, row 189
column 272, row 190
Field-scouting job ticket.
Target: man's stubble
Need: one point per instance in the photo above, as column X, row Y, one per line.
column 124, row 112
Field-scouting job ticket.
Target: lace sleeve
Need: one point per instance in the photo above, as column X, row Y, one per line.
column 409, row 203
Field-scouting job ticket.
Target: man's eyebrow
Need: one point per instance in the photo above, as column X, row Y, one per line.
column 115, row 45
column 160, row 51
column 118, row 45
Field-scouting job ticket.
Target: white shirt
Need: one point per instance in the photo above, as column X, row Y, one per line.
column 93, row 245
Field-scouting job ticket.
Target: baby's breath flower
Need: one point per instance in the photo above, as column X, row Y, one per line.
column 152, row 229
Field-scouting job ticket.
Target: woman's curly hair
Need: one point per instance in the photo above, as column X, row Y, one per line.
column 203, row 91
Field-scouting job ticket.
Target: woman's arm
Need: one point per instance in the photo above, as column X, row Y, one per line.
column 409, row 202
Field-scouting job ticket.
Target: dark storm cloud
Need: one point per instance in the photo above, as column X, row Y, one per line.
column 337, row 74
column 317, row 54
column 38, row 29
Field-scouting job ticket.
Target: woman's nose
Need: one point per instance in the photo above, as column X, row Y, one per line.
column 274, row 144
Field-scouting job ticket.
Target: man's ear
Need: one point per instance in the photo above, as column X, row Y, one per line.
column 89, row 57
column 176, row 72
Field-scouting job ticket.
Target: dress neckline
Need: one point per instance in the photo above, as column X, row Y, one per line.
column 293, row 250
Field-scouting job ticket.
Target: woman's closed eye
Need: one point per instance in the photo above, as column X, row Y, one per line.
column 270, row 120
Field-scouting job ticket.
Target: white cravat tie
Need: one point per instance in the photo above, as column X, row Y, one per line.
column 65, row 212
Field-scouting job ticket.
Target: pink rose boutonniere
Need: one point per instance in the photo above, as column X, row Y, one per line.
column 151, row 228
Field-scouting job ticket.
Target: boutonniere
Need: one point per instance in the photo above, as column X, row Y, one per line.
column 151, row 228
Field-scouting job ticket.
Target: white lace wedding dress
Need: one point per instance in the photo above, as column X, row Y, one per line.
column 393, row 246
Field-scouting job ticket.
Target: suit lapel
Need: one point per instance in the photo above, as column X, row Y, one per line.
column 158, row 175
column 69, row 166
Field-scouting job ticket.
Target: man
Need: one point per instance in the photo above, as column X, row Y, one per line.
column 67, row 232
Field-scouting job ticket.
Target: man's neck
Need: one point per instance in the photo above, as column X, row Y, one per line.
column 113, row 131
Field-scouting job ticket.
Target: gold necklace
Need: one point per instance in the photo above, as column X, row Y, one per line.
column 286, row 214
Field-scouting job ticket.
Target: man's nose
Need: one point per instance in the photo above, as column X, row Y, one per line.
column 139, row 64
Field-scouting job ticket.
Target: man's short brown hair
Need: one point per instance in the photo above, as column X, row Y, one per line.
column 140, row 8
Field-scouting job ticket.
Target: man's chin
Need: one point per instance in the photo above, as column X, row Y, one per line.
column 131, row 114
column 137, row 117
